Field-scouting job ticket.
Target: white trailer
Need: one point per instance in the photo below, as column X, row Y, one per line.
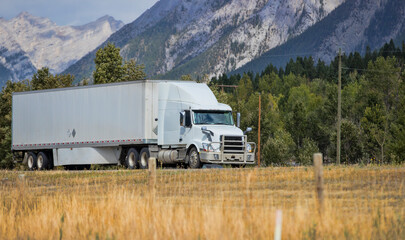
column 126, row 123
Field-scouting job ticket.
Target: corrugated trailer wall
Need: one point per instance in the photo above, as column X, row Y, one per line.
column 111, row 114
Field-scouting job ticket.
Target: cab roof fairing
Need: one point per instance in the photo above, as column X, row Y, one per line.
column 196, row 96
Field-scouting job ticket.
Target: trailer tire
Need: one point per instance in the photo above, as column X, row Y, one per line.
column 144, row 158
column 42, row 161
column 31, row 161
column 193, row 158
column 131, row 160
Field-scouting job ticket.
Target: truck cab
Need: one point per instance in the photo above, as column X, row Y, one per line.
column 204, row 128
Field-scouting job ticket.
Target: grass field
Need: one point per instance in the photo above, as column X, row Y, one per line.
column 360, row 203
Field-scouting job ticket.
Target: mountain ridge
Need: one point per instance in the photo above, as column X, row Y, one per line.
column 238, row 30
column 353, row 26
column 30, row 42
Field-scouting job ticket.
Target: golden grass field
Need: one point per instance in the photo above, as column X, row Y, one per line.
column 361, row 202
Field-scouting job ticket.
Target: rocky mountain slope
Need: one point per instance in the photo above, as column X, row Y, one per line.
column 28, row 43
column 177, row 37
column 353, row 26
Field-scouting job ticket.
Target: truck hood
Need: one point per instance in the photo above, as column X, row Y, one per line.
column 219, row 130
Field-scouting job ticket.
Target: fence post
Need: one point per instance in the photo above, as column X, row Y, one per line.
column 279, row 223
column 319, row 179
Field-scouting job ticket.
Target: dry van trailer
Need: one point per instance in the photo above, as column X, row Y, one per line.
column 119, row 123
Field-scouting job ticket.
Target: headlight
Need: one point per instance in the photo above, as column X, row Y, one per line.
column 248, row 148
column 207, row 147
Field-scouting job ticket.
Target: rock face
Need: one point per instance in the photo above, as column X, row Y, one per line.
column 353, row 26
column 28, row 43
column 178, row 37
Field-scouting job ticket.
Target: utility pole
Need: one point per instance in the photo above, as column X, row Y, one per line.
column 258, row 134
column 339, row 110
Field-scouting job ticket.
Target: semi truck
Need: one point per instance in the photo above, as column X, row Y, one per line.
column 176, row 122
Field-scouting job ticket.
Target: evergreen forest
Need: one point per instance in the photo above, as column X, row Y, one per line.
column 299, row 107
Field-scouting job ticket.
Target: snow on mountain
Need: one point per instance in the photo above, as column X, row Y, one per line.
column 14, row 62
column 45, row 44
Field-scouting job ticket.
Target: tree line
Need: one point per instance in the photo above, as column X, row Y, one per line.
column 299, row 107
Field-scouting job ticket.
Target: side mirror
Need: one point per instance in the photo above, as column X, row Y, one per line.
column 182, row 116
column 238, row 119
column 204, row 129
column 249, row 129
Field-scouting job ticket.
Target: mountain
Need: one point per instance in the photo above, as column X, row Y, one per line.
column 177, row 37
column 28, row 43
column 352, row 26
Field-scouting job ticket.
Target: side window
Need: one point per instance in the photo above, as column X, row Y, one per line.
column 188, row 119
column 182, row 119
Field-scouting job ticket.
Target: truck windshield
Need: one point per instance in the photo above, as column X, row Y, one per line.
column 213, row 117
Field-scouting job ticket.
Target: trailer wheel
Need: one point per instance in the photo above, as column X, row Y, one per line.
column 144, row 158
column 42, row 161
column 31, row 161
column 131, row 160
column 194, row 158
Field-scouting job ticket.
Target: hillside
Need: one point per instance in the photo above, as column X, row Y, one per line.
column 353, row 26
column 196, row 37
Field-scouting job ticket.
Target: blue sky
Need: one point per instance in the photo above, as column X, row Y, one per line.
column 76, row 12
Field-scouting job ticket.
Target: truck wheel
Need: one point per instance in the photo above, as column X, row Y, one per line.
column 194, row 158
column 32, row 161
column 131, row 160
column 42, row 161
column 144, row 158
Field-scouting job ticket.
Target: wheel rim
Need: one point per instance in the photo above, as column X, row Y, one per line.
column 30, row 162
column 193, row 158
column 40, row 162
column 131, row 159
column 144, row 161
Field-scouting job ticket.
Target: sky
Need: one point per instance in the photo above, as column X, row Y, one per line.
column 76, row 12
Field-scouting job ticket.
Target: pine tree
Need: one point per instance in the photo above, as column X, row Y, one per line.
column 6, row 158
column 133, row 71
column 43, row 79
column 108, row 65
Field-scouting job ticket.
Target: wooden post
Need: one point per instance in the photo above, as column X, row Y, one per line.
column 258, row 134
column 279, row 223
column 339, row 110
column 319, row 179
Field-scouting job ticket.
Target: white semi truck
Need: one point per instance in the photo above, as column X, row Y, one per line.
column 126, row 123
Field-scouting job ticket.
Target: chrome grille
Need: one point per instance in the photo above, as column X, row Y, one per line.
column 233, row 144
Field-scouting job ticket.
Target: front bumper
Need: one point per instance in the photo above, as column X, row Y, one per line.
column 227, row 158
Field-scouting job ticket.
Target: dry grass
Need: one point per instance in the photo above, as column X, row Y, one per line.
column 360, row 203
